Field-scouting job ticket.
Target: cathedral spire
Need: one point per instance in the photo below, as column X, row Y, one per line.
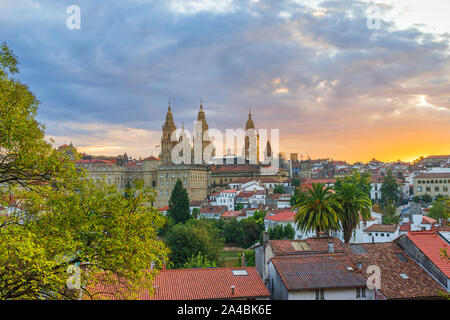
column 249, row 124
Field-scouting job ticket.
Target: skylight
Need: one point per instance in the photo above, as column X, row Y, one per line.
column 300, row 245
column 404, row 276
column 240, row 272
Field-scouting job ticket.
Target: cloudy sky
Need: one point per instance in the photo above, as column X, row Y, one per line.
column 313, row 69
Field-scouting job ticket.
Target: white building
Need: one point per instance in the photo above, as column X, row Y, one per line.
column 380, row 233
column 225, row 198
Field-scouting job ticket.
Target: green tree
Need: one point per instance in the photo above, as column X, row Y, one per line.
column 195, row 213
column 296, row 182
column 199, row 261
column 427, row 198
column 193, row 237
column 238, row 206
column 390, row 215
column 249, row 256
column 179, row 203
column 389, row 189
column 278, row 189
column 416, row 199
column 361, row 180
column 353, row 202
column 289, row 232
column 26, row 159
column 318, row 210
column 232, row 232
column 251, row 230
column 61, row 219
column 438, row 211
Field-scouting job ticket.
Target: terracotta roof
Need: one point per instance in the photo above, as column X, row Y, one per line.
column 381, row 228
column 214, row 209
column 228, row 191
column 232, row 214
column 312, row 245
column 428, row 220
column 245, row 194
column 234, row 168
column 199, row 284
column 393, row 262
column 195, row 203
column 436, row 175
column 318, row 271
column 406, row 226
column 430, row 243
column 283, row 216
column 164, row 209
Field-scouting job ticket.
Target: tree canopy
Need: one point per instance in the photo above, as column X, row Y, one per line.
column 57, row 220
column 318, row 210
column 179, row 203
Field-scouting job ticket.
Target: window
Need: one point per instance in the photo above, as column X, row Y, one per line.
column 363, row 291
column 358, row 293
column 320, row 294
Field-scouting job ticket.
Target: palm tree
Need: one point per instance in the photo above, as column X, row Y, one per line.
column 354, row 202
column 317, row 210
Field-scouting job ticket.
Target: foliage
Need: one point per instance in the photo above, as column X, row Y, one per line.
column 60, row 218
column 94, row 225
column 361, row 180
column 179, row 204
column 251, row 230
column 232, row 232
column 317, row 211
column 249, row 258
column 389, row 215
column 438, row 211
column 353, row 202
column 195, row 213
column 295, row 182
column 389, row 189
column 199, row 261
column 278, row 189
column 193, row 237
column 281, row 232
column 26, row 159
column 259, row 216
column 426, row 198
column 238, row 206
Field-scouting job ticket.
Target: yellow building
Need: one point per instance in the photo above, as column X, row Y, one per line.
column 432, row 183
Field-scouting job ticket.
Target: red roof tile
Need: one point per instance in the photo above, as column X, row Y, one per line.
column 199, row 284
column 392, row 262
column 428, row 220
column 314, row 244
column 381, row 228
column 283, row 216
column 430, row 243
column 318, row 271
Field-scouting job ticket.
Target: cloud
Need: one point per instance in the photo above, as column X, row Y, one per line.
column 334, row 77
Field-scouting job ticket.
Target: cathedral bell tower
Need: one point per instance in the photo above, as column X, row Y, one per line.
column 168, row 129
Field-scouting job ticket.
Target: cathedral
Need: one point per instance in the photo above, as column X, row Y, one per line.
column 199, row 178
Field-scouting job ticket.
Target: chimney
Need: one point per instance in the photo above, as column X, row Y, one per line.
column 243, row 260
column 330, row 247
column 359, row 265
column 265, row 238
column 232, row 290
